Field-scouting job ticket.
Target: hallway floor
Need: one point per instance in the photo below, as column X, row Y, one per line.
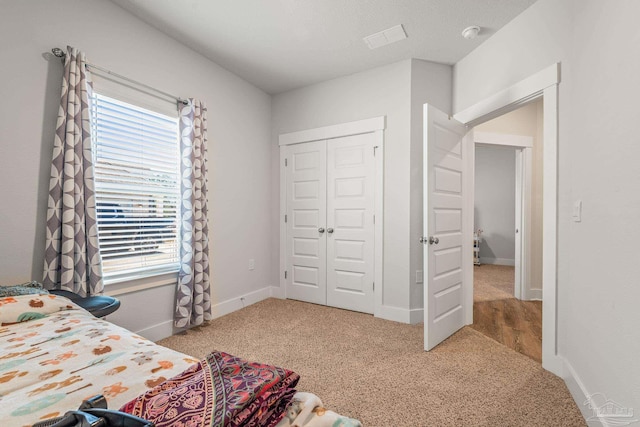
column 498, row 315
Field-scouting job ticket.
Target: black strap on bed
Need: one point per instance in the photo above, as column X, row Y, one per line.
column 93, row 412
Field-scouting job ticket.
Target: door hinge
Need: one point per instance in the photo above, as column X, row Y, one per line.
column 374, row 219
column 374, row 286
column 285, row 217
column 285, row 162
column 285, row 274
column 374, row 150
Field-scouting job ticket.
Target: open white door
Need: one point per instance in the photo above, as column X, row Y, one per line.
column 447, row 253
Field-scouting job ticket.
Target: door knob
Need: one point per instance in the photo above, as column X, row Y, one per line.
column 433, row 240
column 320, row 230
column 423, row 240
column 329, row 230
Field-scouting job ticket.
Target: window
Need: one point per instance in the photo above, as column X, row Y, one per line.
column 136, row 162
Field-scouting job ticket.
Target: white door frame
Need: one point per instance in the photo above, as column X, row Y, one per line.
column 542, row 84
column 374, row 125
column 524, row 154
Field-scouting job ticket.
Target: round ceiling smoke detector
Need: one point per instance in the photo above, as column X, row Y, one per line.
column 470, row 33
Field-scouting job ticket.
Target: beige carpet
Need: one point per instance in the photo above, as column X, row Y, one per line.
column 376, row 370
column 493, row 282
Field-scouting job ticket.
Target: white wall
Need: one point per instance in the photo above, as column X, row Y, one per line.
column 527, row 121
column 384, row 91
column 494, row 204
column 239, row 140
column 598, row 163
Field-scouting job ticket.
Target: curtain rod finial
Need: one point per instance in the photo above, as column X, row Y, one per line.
column 58, row 52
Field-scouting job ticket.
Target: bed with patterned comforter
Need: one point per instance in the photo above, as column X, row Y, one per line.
column 53, row 355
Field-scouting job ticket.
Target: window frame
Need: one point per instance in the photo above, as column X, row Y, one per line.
column 140, row 275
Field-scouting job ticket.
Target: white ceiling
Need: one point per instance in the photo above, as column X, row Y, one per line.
column 280, row 45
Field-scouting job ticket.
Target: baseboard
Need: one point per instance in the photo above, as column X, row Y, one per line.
column 534, row 295
column 596, row 408
column 234, row 304
column 553, row 363
column 395, row 314
column 157, row 332
column 498, row 261
column 165, row 329
column 278, row 292
column 581, row 396
column 387, row 312
column 416, row 315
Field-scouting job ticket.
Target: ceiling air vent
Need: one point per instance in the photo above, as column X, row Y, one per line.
column 385, row 37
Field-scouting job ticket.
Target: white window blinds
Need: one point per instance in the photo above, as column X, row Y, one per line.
column 136, row 161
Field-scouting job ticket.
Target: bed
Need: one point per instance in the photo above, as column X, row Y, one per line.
column 54, row 354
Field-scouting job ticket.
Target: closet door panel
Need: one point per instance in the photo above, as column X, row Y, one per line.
column 306, row 217
column 350, row 226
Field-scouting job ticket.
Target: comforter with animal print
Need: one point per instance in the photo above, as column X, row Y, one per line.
column 54, row 354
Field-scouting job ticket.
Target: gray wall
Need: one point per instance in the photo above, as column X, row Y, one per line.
column 495, row 200
column 598, row 270
column 239, row 143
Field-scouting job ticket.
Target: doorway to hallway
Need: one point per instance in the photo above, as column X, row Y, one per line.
column 459, row 296
column 507, row 219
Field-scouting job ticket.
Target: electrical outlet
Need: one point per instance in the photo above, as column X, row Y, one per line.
column 419, row 278
column 252, row 264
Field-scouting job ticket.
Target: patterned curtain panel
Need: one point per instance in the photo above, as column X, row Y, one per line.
column 193, row 296
column 72, row 259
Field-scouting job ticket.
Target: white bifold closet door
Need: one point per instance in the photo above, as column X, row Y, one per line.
column 306, row 212
column 330, row 226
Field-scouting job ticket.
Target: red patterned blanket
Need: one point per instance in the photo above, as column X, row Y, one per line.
column 221, row 390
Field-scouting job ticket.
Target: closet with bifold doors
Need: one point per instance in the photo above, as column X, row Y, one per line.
column 329, row 234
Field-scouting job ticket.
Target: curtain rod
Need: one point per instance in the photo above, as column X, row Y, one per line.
column 59, row 53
